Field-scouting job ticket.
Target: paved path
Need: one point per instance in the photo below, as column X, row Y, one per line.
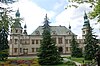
column 78, row 64
column 65, row 59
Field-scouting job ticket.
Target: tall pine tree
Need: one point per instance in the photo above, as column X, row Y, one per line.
column 48, row 53
column 4, row 48
column 75, row 50
column 90, row 41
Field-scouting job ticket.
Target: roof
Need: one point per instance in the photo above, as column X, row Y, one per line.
column 55, row 30
column 16, row 25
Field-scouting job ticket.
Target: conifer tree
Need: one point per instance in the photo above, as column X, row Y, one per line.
column 3, row 44
column 90, row 41
column 48, row 53
column 75, row 50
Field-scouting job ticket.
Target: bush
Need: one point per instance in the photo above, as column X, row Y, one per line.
column 70, row 63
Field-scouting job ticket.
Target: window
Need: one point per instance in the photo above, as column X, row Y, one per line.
column 80, row 41
column 32, row 49
column 15, row 50
column 66, row 48
column 40, row 41
column 16, row 31
column 54, row 32
column 11, row 30
column 32, row 41
column 83, row 32
column 16, row 41
column 37, row 49
column 20, row 50
column 20, row 31
column 37, row 42
column 37, row 32
column 60, row 40
column 66, row 41
column 21, row 41
column 54, row 39
column 69, row 41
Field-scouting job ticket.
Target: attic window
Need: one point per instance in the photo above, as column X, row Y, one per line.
column 68, row 33
column 37, row 32
column 54, row 32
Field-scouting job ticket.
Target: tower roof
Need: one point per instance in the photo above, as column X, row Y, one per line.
column 17, row 13
column 85, row 16
column 16, row 25
column 69, row 26
column 86, row 21
column 25, row 26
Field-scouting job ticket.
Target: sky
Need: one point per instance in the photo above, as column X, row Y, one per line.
column 33, row 12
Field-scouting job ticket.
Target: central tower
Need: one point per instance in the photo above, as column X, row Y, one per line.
column 85, row 26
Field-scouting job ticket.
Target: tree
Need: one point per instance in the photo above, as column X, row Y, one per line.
column 48, row 53
column 7, row 1
column 95, row 4
column 90, row 41
column 5, row 18
column 3, row 44
column 75, row 50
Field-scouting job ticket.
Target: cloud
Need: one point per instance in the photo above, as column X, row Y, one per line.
column 75, row 17
column 33, row 15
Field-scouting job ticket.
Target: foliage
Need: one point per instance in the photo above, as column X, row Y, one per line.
column 5, row 18
column 95, row 4
column 90, row 44
column 70, row 63
column 48, row 54
column 7, row 1
column 3, row 44
column 75, row 50
column 96, row 11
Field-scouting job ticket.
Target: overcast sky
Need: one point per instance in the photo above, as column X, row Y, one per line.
column 34, row 11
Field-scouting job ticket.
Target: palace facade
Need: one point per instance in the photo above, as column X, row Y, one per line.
column 23, row 44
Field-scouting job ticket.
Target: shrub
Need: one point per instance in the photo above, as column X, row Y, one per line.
column 70, row 63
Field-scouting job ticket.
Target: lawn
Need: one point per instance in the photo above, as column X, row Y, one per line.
column 80, row 60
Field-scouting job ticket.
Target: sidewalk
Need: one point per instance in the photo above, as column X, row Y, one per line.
column 65, row 59
column 78, row 64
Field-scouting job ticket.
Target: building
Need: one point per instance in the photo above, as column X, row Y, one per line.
column 23, row 44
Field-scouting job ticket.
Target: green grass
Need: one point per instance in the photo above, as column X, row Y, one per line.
column 20, row 59
column 80, row 60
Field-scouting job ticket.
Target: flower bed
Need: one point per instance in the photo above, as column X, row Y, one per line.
column 20, row 63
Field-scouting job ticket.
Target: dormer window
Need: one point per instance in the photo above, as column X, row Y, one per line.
column 68, row 33
column 37, row 32
column 54, row 32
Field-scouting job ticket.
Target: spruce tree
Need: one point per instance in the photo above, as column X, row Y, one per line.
column 90, row 42
column 48, row 53
column 3, row 44
column 75, row 50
